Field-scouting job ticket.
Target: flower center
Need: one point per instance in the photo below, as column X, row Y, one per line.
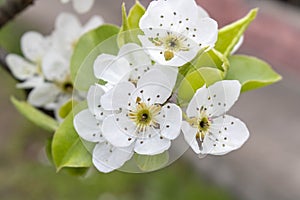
column 171, row 44
column 144, row 116
column 202, row 123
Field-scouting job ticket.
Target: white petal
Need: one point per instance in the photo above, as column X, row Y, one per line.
column 43, row 94
column 190, row 136
column 111, row 68
column 107, row 158
column 31, row 83
column 64, row 1
column 134, row 54
column 88, row 127
column 114, row 134
column 67, row 31
column 21, row 68
column 55, row 67
column 170, row 72
column 199, row 99
column 170, row 121
column 222, row 95
column 202, row 13
column 33, row 46
column 228, row 134
column 83, row 6
column 93, row 23
column 117, row 97
column 93, row 99
column 153, row 145
column 153, row 87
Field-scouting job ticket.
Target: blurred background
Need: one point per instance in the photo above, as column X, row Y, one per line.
column 267, row 167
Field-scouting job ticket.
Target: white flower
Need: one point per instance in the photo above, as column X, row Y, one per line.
column 129, row 65
column 81, row 6
column 208, row 130
column 34, row 47
column 176, row 30
column 143, row 117
column 68, row 30
column 87, row 123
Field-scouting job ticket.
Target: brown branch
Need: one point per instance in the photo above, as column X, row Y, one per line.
column 12, row 8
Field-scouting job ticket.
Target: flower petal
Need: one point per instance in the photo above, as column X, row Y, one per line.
column 93, row 100
column 170, row 121
column 43, row 94
column 118, row 96
column 33, row 45
column 88, row 127
column 114, row 134
column 170, row 72
column 31, row 83
column 107, row 158
column 111, row 68
column 154, row 145
column 55, row 67
column 190, row 136
column 134, row 54
column 202, row 13
column 198, row 101
column 21, row 68
column 228, row 134
column 221, row 97
column 83, row 6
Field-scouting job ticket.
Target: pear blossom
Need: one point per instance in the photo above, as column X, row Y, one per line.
column 68, row 30
column 176, row 30
column 208, row 129
column 143, row 117
column 28, row 69
column 46, row 66
column 88, row 122
column 130, row 64
column 81, row 6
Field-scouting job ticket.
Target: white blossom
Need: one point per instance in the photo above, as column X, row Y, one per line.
column 142, row 117
column 88, row 122
column 129, row 65
column 176, row 30
column 207, row 129
column 81, row 6
column 46, row 66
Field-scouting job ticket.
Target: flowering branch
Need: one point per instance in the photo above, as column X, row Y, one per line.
column 12, row 8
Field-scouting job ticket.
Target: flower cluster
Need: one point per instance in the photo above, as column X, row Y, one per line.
column 136, row 97
column 45, row 67
column 135, row 112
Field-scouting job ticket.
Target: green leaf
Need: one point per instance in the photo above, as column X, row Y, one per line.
column 195, row 80
column 67, row 147
column 151, row 163
column 35, row 116
column 89, row 46
column 66, row 108
column 130, row 25
column 135, row 14
column 252, row 72
column 231, row 34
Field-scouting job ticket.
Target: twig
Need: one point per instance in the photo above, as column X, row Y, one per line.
column 11, row 9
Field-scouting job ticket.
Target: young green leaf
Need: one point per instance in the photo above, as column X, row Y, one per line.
column 66, row 108
column 35, row 116
column 151, row 163
column 68, row 149
column 130, row 24
column 230, row 35
column 252, row 72
column 89, row 46
column 195, row 80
